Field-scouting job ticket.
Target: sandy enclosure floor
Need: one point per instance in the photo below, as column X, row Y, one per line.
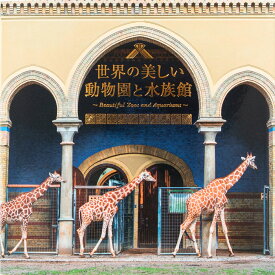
column 139, row 264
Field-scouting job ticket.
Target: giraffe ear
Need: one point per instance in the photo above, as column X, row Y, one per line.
column 242, row 158
column 51, row 175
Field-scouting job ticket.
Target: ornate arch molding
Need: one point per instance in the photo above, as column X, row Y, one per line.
column 155, row 34
column 167, row 158
column 260, row 80
column 29, row 77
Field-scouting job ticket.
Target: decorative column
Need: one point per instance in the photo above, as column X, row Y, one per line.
column 4, row 160
column 4, row 157
column 209, row 127
column 271, row 150
column 67, row 127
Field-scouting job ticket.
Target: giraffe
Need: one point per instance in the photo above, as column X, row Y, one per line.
column 212, row 199
column 20, row 210
column 103, row 208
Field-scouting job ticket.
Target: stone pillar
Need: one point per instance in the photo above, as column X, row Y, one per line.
column 67, row 127
column 209, row 127
column 4, row 160
column 4, row 157
column 271, row 150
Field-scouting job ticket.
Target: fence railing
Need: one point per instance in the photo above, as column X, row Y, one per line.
column 266, row 219
column 43, row 224
column 93, row 231
column 171, row 214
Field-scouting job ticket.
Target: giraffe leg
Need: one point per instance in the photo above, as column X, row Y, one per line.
column 193, row 231
column 15, row 248
column 211, row 232
column 1, row 241
column 103, row 234
column 183, row 227
column 225, row 231
column 81, row 231
column 110, row 235
column 23, row 238
column 24, row 229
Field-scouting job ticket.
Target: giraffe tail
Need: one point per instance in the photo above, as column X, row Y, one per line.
column 188, row 236
column 80, row 217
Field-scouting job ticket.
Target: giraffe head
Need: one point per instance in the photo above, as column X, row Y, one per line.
column 55, row 177
column 250, row 161
column 146, row 176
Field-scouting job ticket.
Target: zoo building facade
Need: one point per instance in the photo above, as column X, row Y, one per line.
column 181, row 88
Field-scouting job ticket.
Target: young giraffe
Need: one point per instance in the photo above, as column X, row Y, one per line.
column 212, row 199
column 20, row 210
column 103, row 208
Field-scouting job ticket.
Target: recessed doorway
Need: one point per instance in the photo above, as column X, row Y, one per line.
column 166, row 176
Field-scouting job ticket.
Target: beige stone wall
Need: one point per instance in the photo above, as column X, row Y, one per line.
column 56, row 44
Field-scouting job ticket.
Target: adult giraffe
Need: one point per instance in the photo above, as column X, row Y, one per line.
column 20, row 210
column 103, row 208
column 212, row 199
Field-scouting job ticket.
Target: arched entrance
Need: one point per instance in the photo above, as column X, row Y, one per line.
column 166, row 176
column 34, row 152
column 106, row 175
column 122, row 164
column 246, row 112
column 139, row 100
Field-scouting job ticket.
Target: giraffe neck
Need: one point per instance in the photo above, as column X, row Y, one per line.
column 40, row 190
column 234, row 177
column 127, row 189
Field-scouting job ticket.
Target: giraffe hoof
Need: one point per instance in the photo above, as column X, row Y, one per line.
column 199, row 256
column 3, row 256
column 174, row 255
column 82, row 256
column 91, row 255
column 27, row 257
column 9, row 253
column 210, row 257
column 231, row 255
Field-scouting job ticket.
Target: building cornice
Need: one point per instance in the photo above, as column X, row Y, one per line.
column 136, row 8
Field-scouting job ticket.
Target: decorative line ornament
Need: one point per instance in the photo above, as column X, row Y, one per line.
column 141, row 119
column 139, row 48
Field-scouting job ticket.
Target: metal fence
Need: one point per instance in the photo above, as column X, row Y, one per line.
column 43, row 224
column 266, row 219
column 171, row 214
column 93, row 231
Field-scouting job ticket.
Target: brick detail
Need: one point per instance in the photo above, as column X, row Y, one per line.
column 4, row 161
column 171, row 159
column 244, row 220
column 41, row 234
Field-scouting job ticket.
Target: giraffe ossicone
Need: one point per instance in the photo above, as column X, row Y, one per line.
column 103, row 208
column 212, row 199
column 20, row 209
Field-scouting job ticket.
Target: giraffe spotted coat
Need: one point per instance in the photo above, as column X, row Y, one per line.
column 212, row 199
column 20, row 210
column 103, row 208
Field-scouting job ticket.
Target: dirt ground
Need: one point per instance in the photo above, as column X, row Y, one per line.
column 242, row 263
